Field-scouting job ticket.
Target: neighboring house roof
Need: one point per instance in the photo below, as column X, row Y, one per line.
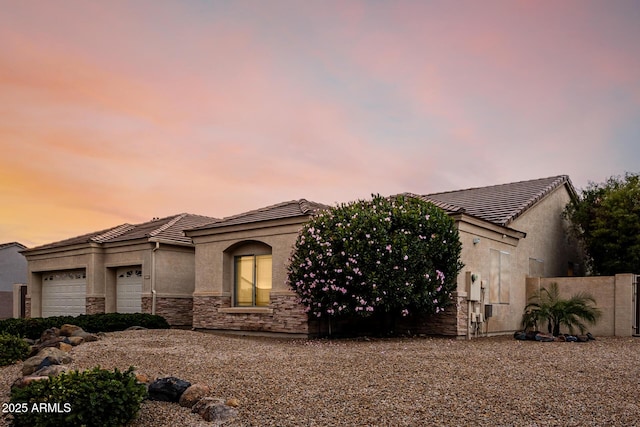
column 499, row 204
column 169, row 229
column 8, row 245
column 290, row 209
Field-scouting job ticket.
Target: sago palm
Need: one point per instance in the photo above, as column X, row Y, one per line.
column 546, row 305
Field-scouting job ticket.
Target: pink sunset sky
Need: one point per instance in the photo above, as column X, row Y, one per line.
column 120, row 111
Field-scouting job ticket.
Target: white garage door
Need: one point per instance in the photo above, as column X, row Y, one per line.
column 64, row 293
column 129, row 290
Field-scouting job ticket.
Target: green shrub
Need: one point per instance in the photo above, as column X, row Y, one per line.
column 96, row 397
column 396, row 256
column 102, row 322
column 12, row 349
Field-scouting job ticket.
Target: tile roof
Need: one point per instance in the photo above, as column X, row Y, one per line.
column 7, row 245
column 290, row 209
column 169, row 229
column 499, row 204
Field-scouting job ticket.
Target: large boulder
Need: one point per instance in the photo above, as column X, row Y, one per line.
column 50, row 371
column 219, row 413
column 167, row 389
column 193, row 394
column 213, row 409
column 68, row 330
column 47, row 356
column 85, row 335
column 49, row 334
column 201, row 405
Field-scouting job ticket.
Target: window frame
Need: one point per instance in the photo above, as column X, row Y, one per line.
column 254, row 280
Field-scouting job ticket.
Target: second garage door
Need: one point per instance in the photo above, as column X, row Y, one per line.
column 64, row 293
column 129, row 290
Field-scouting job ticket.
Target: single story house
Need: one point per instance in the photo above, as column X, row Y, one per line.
column 146, row 267
column 241, row 262
column 508, row 232
column 13, row 273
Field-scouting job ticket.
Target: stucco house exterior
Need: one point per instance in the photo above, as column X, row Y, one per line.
column 241, row 261
column 146, row 267
column 13, row 271
column 508, row 232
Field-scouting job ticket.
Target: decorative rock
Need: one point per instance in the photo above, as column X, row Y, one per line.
column 53, row 355
column 201, row 406
column 219, row 413
column 142, row 378
column 65, row 347
column 25, row 381
column 74, row 340
column 49, row 334
column 193, row 394
column 50, row 371
column 52, row 342
column 85, row 335
column 232, row 402
column 167, row 389
column 68, row 330
column 136, row 328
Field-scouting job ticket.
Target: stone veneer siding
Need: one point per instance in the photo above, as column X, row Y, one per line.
column 94, row 305
column 27, row 307
column 288, row 316
column 177, row 311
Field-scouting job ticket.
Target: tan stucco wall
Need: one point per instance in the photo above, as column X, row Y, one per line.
column 212, row 279
column 477, row 259
column 613, row 295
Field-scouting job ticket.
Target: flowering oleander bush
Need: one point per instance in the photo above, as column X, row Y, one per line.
column 399, row 256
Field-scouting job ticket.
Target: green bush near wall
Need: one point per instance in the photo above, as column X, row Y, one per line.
column 103, row 322
column 12, row 349
column 96, row 397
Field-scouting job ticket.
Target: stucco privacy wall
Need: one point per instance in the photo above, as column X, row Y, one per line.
column 614, row 296
column 212, row 299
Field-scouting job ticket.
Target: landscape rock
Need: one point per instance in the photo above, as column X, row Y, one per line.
column 136, row 328
column 142, row 378
column 68, row 330
column 65, row 347
column 50, row 371
column 167, row 389
column 201, row 406
column 25, row 381
column 49, row 334
column 232, row 402
column 74, row 340
column 51, row 342
column 85, row 335
column 52, row 355
column 193, row 394
column 219, row 413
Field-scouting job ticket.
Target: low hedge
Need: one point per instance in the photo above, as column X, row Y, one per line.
column 103, row 322
column 96, row 397
column 12, row 349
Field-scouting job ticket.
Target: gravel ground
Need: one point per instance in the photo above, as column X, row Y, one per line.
column 393, row 382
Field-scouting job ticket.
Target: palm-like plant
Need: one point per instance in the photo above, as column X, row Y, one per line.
column 546, row 305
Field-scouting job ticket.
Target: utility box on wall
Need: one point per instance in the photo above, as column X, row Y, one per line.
column 473, row 286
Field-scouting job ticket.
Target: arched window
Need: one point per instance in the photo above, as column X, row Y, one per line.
column 252, row 280
column 252, row 274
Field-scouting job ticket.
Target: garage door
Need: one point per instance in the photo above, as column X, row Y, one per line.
column 129, row 290
column 64, row 293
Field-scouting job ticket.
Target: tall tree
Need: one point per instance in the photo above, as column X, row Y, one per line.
column 606, row 219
